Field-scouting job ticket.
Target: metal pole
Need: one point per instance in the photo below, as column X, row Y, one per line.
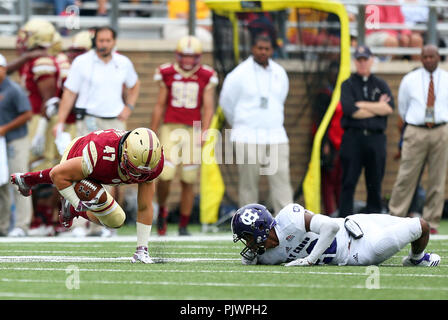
column 361, row 24
column 25, row 10
column 432, row 26
column 114, row 13
column 192, row 18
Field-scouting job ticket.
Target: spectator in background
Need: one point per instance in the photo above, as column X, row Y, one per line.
column 376, row 37
column 415, row 15
column 422, row 104
column 186, row 103
column 331, row 174
column 39, row 73
column 366, row 102
column 101, row 9
column 59, row 6
column 15, row 112
column 416, row 207
column 179, row 9
column 253, row 97
column 94, row 87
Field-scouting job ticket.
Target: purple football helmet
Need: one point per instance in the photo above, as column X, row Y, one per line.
column 251, row 225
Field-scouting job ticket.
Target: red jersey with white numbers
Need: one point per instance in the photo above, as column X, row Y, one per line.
column 64, row 68
column 35, row 70
column 100, row 158
column 185, row 91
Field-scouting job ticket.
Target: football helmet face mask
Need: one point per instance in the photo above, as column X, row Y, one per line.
column 141, row 154
column 35, row 33
column 188, row 52
column 251, row 225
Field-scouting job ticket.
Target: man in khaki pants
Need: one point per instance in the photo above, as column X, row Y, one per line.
column 423, row 104
column 15, row 111
column 253, row 97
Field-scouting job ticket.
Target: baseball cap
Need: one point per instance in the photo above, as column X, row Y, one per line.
column 362, row 52
column 2, row 61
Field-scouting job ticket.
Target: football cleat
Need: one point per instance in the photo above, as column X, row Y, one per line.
column 428, row 260
column 66, row 214
column 23, row 188
column 141, row 255
column 162, row 221
column 184, row 232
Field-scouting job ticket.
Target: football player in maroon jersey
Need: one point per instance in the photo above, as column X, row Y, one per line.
column 109, row 157
column 185, row 101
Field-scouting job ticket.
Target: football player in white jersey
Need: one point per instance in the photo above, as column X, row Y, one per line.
column 298, row 237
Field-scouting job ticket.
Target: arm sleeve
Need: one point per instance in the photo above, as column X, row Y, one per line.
column 74, row 78
column 326, row 228
column 403, row 99
column 21, row 101
column 347, row 99
column 387, row 90
column 227, row 99
column 131, row 76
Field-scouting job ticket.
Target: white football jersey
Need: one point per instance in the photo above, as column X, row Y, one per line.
column 295, row 242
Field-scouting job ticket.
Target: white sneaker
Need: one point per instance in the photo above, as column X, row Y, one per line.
column 141, row 255
column 428, row 260
column 42, row 231
column 17, row 232
column 209, row 228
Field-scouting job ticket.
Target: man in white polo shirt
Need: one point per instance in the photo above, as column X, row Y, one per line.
column 253, row 97
column 95, row 85
column 95, row 82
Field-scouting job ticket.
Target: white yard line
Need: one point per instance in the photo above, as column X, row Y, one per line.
column 23, row 259
column 24, row 295
column 219, row 284
column 96, row 252
column 194, row 238
column 285, row 271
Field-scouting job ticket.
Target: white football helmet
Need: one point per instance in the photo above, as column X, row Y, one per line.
column 141, row 154
column 188, row 46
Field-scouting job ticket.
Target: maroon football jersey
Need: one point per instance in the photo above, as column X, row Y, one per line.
column 185, row 91
column 100, row 158
column 34, row 71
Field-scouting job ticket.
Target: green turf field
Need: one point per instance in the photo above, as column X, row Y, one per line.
column 202, row 267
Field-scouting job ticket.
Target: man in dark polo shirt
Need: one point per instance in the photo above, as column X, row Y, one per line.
column 366, row 102
column 15, row 112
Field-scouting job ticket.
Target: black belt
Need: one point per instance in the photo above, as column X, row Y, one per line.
column 426, row 127
column 81, row 113
column 106, row 118
column 368, row 132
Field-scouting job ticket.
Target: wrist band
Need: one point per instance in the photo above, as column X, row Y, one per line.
column 130, row 106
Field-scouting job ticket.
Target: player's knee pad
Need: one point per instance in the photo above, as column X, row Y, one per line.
column 110, row 214
column 190, row 173
column 168, row 172
column 114, row 220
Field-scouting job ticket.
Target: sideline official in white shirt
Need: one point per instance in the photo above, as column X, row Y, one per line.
column 252, row 99
column 423, row 105
column 95, row 87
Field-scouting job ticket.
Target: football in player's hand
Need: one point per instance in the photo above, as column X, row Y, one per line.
column 88, row 190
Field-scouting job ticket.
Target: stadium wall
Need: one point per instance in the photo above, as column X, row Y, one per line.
column 147, row 55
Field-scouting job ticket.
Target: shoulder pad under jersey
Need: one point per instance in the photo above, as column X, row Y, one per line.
column 43, row 66
column 89, row 158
